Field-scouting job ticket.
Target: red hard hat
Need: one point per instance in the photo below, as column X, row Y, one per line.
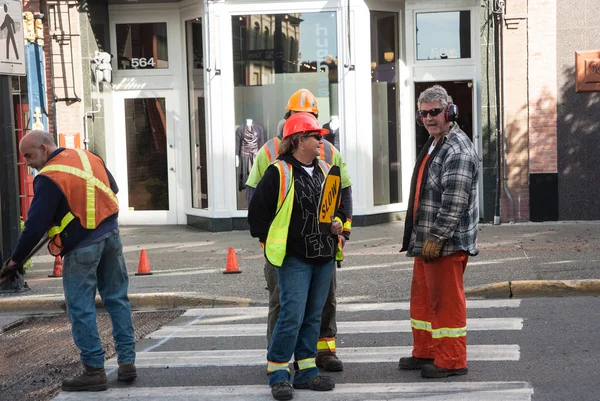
column 301, row 123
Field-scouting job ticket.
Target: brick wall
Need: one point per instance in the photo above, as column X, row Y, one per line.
column 542, row 86
column 515, row 37
column 65, row 47
column 530, row 103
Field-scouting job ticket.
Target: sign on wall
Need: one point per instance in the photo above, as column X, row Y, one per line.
column 587, row 65
column 12, row 51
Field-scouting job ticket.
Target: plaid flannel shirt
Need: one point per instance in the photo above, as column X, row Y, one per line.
column 448, row 201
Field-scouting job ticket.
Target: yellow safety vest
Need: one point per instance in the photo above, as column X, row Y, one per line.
column 276, row 244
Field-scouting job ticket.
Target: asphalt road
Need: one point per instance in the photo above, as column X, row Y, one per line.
column 534, row 349
column 184, row 259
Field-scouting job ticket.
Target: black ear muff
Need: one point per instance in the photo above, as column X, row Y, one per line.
column 451, row 113
column 419, row 118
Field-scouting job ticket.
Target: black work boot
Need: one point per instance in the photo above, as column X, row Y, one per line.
column 329, row 362
column 435, row 372
column 317, row 383
column 92, row 379
column 412, row 363
column 127, row 372
column 282, row 391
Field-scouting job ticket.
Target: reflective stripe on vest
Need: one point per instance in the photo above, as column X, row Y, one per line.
column 326, row 344
column 327, row 152
column 276, row 244
column 339, row 252
column 63, row 223
column 273, row 366
column 347, row 226
column 272, row 149
column 307, row 363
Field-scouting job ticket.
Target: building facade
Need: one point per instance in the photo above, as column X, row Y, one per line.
column 176, row 96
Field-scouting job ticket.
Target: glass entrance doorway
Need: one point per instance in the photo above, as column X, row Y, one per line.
column 462, row 95
column 145, row 161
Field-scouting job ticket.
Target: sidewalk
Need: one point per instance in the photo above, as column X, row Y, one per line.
column 519, row 260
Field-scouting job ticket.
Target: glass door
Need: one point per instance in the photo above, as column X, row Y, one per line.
column 144, row 146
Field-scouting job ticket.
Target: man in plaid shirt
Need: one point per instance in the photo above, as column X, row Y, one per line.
column 441, row 233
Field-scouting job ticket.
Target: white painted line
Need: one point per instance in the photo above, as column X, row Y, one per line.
column 256, row 357
column 381, row 326
column 371, row 240
column 437, row 391
column 350, row 307
column 410, row 263
column 139, row 247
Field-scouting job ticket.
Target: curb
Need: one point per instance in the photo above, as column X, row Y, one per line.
column 536, row 288
column 176, row 300
column 139, row 302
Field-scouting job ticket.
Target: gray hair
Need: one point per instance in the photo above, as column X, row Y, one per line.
column 42, row 138
column 435, row 94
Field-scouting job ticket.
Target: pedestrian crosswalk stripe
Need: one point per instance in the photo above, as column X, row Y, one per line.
column 257, row 357
column 354, row 307
column 381, row 326
column 439, row 391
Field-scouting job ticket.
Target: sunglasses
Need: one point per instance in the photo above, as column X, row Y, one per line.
column 318, row 137
column 432, row 112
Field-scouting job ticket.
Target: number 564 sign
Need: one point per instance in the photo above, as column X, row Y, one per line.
column 143, row 62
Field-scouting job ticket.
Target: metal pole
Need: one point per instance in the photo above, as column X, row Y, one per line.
column 10, row 210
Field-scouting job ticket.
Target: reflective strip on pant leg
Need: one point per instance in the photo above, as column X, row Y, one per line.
column 307, row 363
column 448, row 332
column 326, row 344
column 420, row 325
column 273, row 366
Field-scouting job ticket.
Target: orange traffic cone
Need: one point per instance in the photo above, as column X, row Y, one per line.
column 57, row 272
column 144, row 265
column 232, row 264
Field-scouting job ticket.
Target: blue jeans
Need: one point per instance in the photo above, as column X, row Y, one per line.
column 303, row 289
column 99, row 265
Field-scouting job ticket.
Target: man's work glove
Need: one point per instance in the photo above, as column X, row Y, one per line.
column 432, row 248
column 9, row 270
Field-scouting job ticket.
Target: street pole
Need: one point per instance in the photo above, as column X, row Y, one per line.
column 10, row 211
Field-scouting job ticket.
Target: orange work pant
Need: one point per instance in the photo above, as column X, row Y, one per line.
column 438, row 310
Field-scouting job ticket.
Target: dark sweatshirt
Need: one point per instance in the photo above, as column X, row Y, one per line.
column 47, row 209
column 305, row 240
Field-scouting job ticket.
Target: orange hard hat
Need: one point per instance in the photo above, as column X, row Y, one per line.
column 302, row 123
column 304, row 101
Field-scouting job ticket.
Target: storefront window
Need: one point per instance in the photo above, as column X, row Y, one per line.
column 142, row 46
column 387, row 175
column 146, row 137
column 194, row 46
column 444, row 35
column 274, row 55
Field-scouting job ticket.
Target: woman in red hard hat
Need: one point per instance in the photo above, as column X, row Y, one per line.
column 283, row 215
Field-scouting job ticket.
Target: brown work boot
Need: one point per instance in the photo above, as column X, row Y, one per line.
column 435, row 372
column 412, row 363
column 127, row 372
column 329, row 362
column 92, row 379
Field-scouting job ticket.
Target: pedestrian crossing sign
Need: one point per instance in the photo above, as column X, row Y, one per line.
column 12, row 49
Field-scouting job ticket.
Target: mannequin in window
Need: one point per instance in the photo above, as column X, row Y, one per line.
column 333, row 126
column 249, row 138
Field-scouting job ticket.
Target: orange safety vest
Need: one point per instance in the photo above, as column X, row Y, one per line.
column 82, row 178
column 326, row 153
